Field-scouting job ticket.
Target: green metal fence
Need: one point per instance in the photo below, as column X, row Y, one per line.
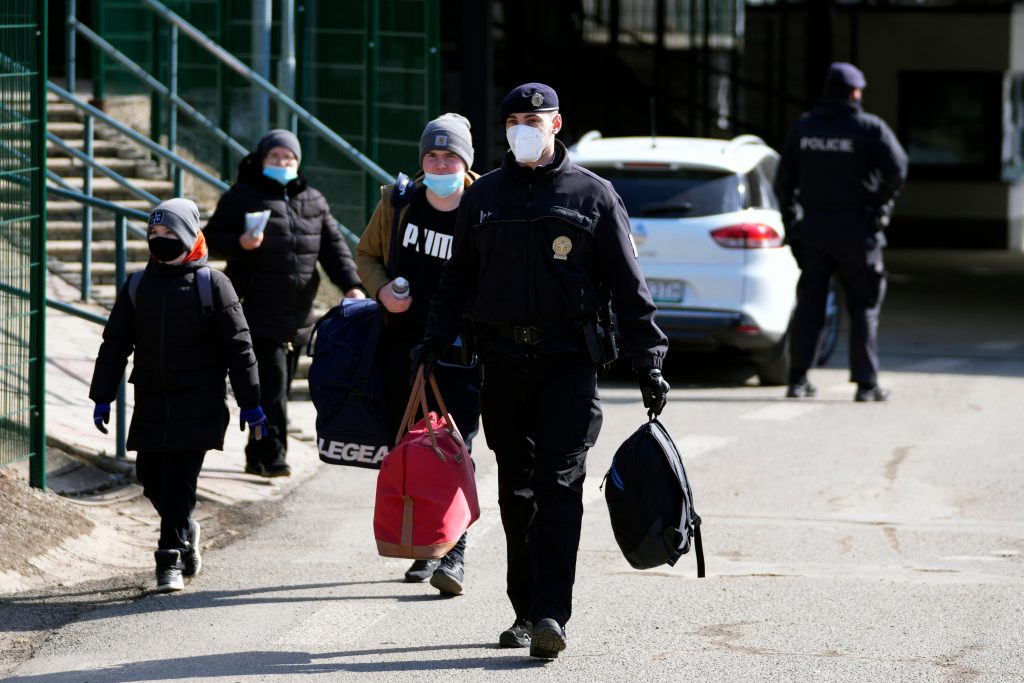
column 369, row 69
column 22, row 233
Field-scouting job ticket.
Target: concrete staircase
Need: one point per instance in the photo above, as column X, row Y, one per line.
column 64, row 217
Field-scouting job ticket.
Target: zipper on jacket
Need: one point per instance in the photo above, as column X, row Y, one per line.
column 529, row 256
column 163, row 379
column 294, row 242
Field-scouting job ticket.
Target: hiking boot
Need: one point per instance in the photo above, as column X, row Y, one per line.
column 275, row 468
column 870, row 392
column 168, row 571
column 421, row 570
column 547, row 640
column 803, row 389
column 448, row 576
column 516, row 635
column 191, row 560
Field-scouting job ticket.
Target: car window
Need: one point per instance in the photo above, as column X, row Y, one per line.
column 683, row 193
column 754, row 192
column 766, row 170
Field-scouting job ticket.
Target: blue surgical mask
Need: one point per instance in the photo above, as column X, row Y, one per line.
column 282, row 174
column 444, row 185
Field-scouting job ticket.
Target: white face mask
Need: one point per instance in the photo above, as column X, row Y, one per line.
column 526, row 142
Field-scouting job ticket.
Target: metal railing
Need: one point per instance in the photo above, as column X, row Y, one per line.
column 121, row 229
column 170, row 94
column 90, row 115
column 283, row 100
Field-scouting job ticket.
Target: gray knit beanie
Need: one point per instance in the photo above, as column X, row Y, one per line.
column 279, row 137
column 180, row 216
column 448, row 132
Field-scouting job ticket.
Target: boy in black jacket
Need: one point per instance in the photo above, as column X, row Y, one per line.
column 182, row 353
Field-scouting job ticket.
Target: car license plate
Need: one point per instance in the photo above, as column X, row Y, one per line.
column 666, row 291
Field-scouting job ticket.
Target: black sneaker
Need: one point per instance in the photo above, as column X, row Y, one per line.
column 448, row 576
column 191, row 560
column 867, row 393
column 516, row 635
column 168, row 571
column 421, row 570
column 802, row 389
column 547, row 640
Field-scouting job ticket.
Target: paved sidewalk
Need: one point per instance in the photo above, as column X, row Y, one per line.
column 71, row 347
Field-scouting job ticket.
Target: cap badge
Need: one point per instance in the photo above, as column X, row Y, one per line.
column 441, row 140
column 156, row 218
column 537, row 99
column 561, row 246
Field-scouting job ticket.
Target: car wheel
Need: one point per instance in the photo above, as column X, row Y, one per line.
column 773, row 365
column 830, row 330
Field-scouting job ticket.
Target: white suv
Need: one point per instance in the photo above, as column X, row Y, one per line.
column 709, row 235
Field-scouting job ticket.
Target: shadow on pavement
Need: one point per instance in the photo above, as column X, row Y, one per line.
column 261, row 663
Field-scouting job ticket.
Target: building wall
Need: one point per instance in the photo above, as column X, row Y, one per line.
column 974, row 212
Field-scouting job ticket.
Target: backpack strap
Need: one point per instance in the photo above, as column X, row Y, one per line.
column 204, row 280
column 401, row 195
column 698, row 547
column 133, row 284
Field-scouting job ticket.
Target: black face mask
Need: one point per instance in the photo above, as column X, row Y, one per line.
column 166, row 248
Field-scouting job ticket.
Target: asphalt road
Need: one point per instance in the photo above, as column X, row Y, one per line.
column 845, row 542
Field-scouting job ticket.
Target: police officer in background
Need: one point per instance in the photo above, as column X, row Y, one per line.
column 541, row 246
column 840, row 172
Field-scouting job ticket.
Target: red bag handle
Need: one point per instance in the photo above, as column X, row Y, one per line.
column 418, row 395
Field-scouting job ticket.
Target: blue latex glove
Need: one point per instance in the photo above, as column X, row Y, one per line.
column 256, row 420
column 101, row 416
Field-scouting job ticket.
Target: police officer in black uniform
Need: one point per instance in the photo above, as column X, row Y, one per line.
column 541, row 246
column 840, row 172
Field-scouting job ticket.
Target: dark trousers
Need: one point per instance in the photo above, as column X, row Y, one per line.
column 169, row 481
column 277, row 364
column 862, row 275
column 541, row 415
column 459, row 385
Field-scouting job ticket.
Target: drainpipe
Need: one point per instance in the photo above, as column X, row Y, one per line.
column 286, row 65
column 262, row 18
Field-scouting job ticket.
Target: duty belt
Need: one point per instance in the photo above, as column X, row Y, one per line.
column 529, row 335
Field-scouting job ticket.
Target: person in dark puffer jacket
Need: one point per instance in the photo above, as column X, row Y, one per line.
column 274, row 272
column 181, row 355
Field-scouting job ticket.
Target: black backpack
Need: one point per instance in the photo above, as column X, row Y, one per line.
column 650, row 501
column 204, row 282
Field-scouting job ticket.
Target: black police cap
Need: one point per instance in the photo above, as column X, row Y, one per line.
column 529, row 97
column 845, row 74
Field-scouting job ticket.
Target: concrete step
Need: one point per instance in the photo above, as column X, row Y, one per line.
column 72, row 230
column 105, row 188
column 102, row 250
column 66, row 130
column 62, row 112
column 69, row 210
column 100, row 148
column 67, row 168
column 102, row 273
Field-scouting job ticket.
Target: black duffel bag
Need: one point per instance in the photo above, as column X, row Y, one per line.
column 345, row 386
column 650, row 501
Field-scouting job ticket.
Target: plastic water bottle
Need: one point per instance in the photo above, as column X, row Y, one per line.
column 400, row 288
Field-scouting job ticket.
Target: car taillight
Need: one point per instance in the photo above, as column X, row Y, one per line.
column 747, row 236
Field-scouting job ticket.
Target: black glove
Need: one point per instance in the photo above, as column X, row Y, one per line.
column 654, row 389
column 426, row 354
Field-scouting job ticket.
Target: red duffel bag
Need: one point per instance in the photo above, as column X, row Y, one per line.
column 426, row 489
